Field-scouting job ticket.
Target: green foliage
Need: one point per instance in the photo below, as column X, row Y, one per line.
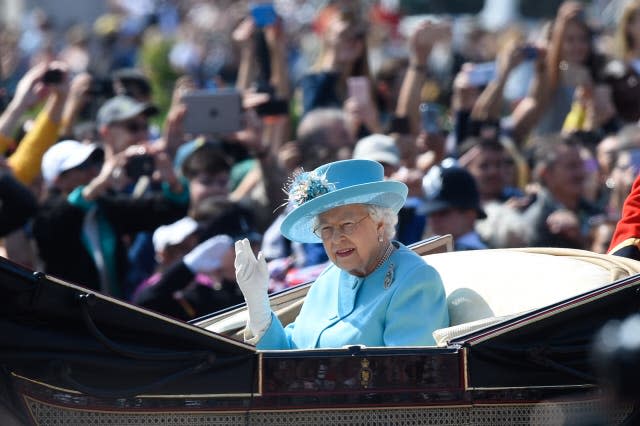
column 154, row 61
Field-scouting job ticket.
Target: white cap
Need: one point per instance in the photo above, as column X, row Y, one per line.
column 63, row 156
column 172, row 234
column 378, row 147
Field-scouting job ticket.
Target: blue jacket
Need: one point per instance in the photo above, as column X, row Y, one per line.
column 342, row 309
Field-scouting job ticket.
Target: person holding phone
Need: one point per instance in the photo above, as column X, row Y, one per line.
column 343, row 55
column 81, row 235
column 33, row 88
column 623, row 72
column 568, row 60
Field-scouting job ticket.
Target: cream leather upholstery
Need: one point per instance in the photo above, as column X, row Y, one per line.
column 485, row 284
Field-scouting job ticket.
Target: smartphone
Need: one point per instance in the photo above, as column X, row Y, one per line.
column 481, row 74
column 273, row 107
column 216, row 112
column 139, row 165
column 358, row 88
column 263, row 14
column 52, row 76
column 430, row 117
column 529, row 52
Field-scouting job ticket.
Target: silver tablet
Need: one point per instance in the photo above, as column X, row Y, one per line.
column 212, row 112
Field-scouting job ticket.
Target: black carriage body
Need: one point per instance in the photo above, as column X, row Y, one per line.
column 71, row 356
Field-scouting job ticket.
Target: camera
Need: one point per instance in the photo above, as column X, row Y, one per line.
column 52, row 76
column 273, row 107
column 139, row 165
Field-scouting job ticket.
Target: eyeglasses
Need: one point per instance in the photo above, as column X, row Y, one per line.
column 327, row 232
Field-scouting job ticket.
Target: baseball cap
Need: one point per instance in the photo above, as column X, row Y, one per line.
column 121, row 108
column 378, row 147
column 63, row 156
column 174, row 233
column 451, row 187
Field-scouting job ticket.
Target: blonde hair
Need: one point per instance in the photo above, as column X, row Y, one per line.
column 623, row 41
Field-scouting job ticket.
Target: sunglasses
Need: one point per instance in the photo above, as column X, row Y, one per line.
column 135, row 126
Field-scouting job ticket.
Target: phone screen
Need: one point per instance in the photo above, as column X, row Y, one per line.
column 263, row 14
column 430, row 117
column 358, row 88
column 481, row 74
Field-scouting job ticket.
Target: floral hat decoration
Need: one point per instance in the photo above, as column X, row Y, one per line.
column 337, row 184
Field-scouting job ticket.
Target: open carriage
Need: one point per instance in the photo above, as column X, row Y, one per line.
column 516, row 352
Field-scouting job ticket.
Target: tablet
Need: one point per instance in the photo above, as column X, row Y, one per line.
column 212, row 112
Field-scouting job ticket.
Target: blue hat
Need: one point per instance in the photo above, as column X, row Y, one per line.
column 337, row 184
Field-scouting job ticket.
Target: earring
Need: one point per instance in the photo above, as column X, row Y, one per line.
column 380, row 238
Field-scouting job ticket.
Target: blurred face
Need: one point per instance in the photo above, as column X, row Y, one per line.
column 339, row 137
column 350, row 238
column 205, row 185
column 452, row 221
column 172, row 253
column 633, row 29
column 70, row 179
column 123, row 134
column 626, row 169
column 566, row 176
column 488, row 169
column 602, row 235
column 605, row 154
column 576, row 43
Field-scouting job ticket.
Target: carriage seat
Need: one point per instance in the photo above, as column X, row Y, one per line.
column 488, row 286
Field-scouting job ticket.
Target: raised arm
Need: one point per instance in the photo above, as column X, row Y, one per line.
column 29, row 91
column 25, row 162
column 489, row 104
column 420, row 42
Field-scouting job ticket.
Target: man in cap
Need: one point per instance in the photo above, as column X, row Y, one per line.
column 453, row 206
column 70, row 163
column 122, row 122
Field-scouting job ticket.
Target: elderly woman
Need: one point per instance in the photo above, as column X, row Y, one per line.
column 376, row 292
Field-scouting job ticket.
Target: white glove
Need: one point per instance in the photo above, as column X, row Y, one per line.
column 253, row 278
column 207, row 256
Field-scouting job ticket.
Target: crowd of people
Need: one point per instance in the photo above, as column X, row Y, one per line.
column 522, row 136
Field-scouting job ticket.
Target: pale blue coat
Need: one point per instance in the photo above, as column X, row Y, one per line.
column 342, row 309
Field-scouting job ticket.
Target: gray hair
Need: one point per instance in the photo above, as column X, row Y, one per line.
column 388, row 217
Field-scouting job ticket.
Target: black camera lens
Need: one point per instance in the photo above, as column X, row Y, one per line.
column 52, row 76
column 139, row 165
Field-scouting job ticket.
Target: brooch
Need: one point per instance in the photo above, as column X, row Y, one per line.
column 388, row 277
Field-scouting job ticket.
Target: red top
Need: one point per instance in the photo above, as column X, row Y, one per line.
column 628, row 227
